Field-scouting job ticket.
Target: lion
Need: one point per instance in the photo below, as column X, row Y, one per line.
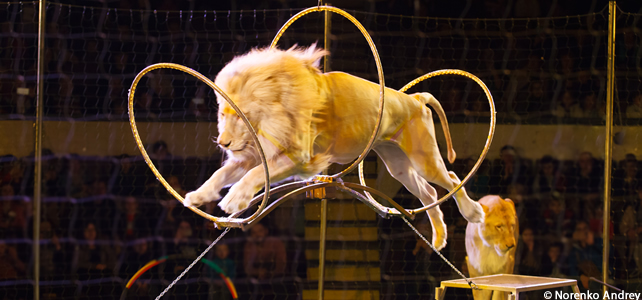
column 306, row 120
column 490, row 245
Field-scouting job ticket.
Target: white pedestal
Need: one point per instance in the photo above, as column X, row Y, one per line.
column 508, row 283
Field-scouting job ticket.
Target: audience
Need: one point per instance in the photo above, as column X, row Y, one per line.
column 552, row 264
column 634, row 110
column 11, row 267
column 528, row 256
column 90, row 80
column 585, row 257
column 94, row 259
column 509, row 170
column 264, row 256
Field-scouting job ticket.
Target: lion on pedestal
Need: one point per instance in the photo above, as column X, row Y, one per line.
column 491, row 245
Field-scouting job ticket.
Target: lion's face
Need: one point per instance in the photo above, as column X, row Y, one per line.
column 234, row 135
column 500, row 225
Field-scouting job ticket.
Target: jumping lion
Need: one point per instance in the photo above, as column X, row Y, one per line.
column 307, row 120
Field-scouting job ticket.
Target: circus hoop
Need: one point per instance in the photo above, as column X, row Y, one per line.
column 319, row 181
column 132, row 122
column 489, row 140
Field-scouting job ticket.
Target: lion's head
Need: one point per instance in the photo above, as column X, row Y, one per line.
column 275, row 89
column 500, row 224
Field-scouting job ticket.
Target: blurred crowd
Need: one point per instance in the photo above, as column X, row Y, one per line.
column 103, row 218
column 540, row 72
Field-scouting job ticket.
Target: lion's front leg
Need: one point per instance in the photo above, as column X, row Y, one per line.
column 241, row 193
column 230, row 173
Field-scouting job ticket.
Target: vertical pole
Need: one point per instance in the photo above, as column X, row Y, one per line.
column 610, row 93
column 324, row 200
column 37, row 196
column 324, row 222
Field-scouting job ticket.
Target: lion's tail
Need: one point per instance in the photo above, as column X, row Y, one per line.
column 432, row 101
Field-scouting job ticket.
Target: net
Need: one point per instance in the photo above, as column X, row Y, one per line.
column 105, row 216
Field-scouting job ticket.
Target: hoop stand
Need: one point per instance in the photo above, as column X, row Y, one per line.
column 321, row 182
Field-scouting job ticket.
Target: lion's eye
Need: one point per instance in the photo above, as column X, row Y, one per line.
column 499, row 226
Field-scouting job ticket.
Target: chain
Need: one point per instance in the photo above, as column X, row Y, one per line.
column 193, row 263
column 470, row 283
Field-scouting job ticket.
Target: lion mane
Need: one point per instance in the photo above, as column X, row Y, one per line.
column 255, row 82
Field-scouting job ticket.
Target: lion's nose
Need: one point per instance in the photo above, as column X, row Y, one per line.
column 223, row 143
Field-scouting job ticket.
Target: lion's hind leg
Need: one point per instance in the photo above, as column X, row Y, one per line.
column 401, row 169
column 419, row 144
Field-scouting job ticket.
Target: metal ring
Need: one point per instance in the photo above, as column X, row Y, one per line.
column 491, row 132
column 375, row 53
column 132, row 122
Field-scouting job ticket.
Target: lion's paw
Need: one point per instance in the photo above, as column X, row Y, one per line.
column 439, row 236
column 198, row 198
column 237, row 199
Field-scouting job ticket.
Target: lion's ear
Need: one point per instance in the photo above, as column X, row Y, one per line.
column 485, row 208
column 511, row 202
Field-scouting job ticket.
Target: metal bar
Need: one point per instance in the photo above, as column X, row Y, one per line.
column 322, row 238
column 608, row 147
column 37, row 188
column 324, row 200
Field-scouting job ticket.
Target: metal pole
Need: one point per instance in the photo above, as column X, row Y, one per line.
column 37, row 196
column 324, row 200
column 610, row 93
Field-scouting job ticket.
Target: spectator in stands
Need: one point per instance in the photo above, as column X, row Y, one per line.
column 135, row 258
column 585, row 258
column 222, row 259
column 76, row 177
column 128, row 182
column 52, row 256
column 100, row 208
column 11, row 171
column 11, row 267
column 13, row 213
column 557, row 219
column 548, row 179
column 174, row 212
column 132, row 223
column 596, row 221
column 627, row 178
column 567, row 108
column 528, row 255
column 589, row 107
column 586, row 180
column 453, row 102
column 52, row 183
column 264, row 255
column 535, row 100
column 93, row 260
column 186, row 246
column 508, row 170
column 630, row 227
column 553, row 263
column 477, row 186
column 634, row 110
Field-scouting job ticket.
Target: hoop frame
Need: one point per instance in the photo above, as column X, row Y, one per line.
column 491, row 133
column 375, row 53
column 227, row 222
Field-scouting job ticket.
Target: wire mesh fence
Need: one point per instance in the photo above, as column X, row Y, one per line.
column 105, row 216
